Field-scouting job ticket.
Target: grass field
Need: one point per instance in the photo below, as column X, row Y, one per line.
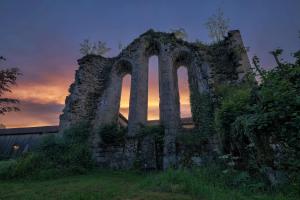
column 181, row 185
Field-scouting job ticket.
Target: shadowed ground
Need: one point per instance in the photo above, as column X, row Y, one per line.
column 125, row 185
column 100, row 185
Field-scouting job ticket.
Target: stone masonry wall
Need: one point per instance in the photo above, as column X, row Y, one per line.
column 95, row 94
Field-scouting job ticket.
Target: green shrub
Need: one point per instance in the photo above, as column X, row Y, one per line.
column 27, row 165
column 192, row 138
column 112, row 134
column 157, row 131
column 68, row 153
column 234, row 102
column 261, row 125
column 70, row 149
column 77, row 133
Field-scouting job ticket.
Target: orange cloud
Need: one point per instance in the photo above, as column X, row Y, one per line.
column 41, row 103
column 33, row 114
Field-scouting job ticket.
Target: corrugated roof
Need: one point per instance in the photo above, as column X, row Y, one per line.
column 29, row 130
column 55, row 129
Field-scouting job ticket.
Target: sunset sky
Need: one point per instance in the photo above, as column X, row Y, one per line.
column 42, row 38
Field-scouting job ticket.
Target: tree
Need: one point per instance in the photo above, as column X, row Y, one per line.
column 8, row 78
column 88, row 48
column 276, row 53
column 85, row 47
column 101, row 48
column 297, row 56
column 256, row 63
column 217, row 26
column 180, row 33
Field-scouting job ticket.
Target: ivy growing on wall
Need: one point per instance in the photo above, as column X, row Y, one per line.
column 202, row 112
column 147, row 134
column 223, row 59
column 112, row 134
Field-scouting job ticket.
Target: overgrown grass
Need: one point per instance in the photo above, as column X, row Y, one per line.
column 206, row 183
column 96, row 185
column 201, row 183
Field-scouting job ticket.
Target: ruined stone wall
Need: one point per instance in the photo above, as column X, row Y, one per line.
column 95, row 95
column 85, row 92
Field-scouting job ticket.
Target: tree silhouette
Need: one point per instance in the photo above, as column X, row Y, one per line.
column 276, row 53
column 180, row 33
column 8, row 78
column 217, row 26
column 88, row 48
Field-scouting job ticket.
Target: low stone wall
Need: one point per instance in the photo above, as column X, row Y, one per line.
column 198, row 154
column 149, row 153
column 111, row 156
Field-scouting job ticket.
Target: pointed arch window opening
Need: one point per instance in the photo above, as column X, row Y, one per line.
column 125, row 95
column 153, row 89
column 184, row 92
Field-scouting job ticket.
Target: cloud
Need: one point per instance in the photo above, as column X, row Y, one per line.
column 42, row 99
column 33, row 114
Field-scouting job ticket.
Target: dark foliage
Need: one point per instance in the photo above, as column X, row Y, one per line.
column 260, row 125
column 156, row 131
column 55, row 156
column 112, row 134
column 8, row 78
column 202, row 110
column 156, row 134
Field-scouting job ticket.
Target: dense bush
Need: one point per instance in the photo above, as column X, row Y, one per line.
column 234, row 103
column 260, row 125
column 157, row 131
column 192, row 138
column 56, row 155
column 112, row 134
column 70, row 150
